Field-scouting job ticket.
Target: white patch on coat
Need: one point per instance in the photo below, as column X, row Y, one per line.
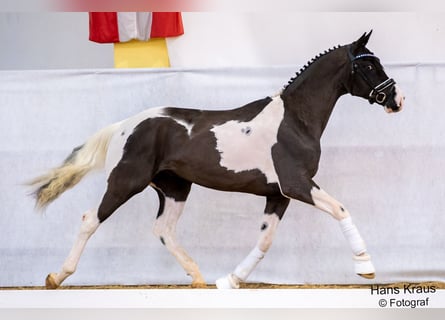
column 165, row 225
column 126, row 128
column 165, row 230
column 248, row 145
column 399, row 97
column 186, row 125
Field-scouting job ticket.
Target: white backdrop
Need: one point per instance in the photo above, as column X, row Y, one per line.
column 387, row 169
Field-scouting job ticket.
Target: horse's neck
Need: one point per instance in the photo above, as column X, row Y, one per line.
column 311, row 98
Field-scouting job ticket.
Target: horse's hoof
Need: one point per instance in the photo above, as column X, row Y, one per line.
column 367, row 275
column 199, row 285
column 364, row 267
column 228, row 282
column 50, row 282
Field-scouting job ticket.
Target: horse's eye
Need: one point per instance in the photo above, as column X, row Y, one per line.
column 370, row 68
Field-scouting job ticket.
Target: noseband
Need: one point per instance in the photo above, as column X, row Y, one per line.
column 377, row 93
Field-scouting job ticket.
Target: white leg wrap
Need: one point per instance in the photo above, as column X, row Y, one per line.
column 352, row 236
column 363, row 264
column 248, row 264
column 228, row 282
column 245, row 268
column 242, row 271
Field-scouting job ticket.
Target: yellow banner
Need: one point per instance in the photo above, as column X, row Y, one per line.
column 141, row 54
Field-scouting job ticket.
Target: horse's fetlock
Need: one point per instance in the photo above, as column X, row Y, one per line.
column 69, row 270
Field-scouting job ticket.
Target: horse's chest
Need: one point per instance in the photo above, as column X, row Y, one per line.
column 247, row 145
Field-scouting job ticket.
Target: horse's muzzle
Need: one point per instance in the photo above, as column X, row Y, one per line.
column 396, row 100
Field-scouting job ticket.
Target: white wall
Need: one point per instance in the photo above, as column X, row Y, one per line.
column 252, row 39
column 49, row 40
column 60, row 40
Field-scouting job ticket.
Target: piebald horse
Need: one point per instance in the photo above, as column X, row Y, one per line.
column 269, row 147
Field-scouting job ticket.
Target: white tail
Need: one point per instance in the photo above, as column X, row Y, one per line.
column 81, row 161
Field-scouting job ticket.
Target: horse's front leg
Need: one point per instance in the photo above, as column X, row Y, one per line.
column 307, row 191
column 274, row 211
column 362, row 260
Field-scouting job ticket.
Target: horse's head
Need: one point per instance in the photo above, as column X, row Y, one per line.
column 369, row 80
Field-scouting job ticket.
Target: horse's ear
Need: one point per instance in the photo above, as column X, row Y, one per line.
column 367, row 36
column 362, row 41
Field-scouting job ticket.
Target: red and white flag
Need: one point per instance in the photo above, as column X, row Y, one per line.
column 111, row 27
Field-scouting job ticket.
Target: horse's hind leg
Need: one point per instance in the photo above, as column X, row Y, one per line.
column 275, row 208
column 173, row 192
column 90, row 222
column 126, row 180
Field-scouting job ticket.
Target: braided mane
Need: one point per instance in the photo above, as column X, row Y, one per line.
column 310, row 62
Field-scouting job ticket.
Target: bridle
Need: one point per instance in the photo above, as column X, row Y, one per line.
column 379, row 93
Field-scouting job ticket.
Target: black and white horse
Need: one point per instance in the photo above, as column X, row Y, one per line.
column 269, row 147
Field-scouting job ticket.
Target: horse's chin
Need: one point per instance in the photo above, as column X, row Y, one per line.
column 392, row 109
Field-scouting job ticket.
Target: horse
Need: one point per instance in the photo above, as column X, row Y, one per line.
column 269, row 147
